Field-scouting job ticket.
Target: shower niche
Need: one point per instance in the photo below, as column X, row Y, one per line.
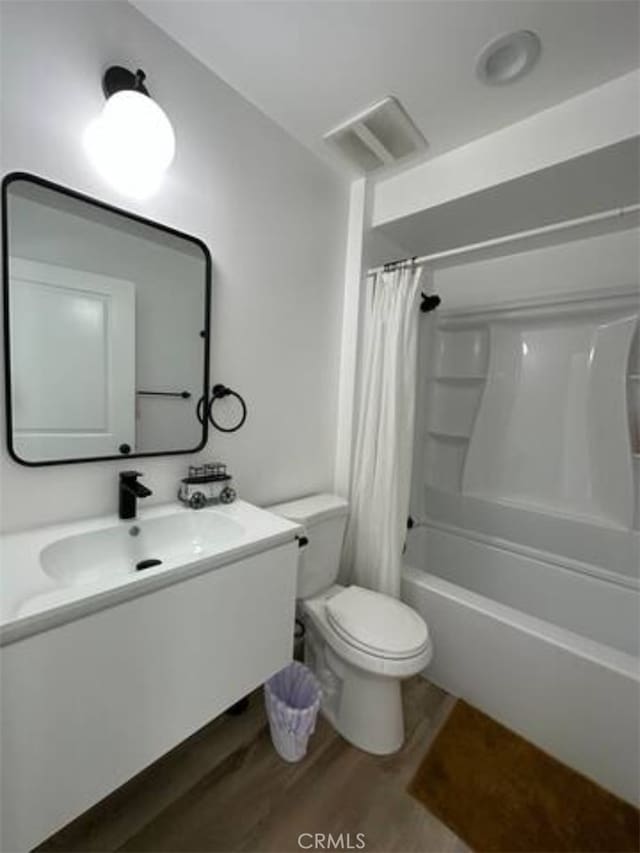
column 537, row 405
column 454, row 390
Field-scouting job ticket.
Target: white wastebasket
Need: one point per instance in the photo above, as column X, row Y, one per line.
column 292, row 698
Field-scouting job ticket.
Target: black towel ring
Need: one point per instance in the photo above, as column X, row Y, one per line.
column 217, row 393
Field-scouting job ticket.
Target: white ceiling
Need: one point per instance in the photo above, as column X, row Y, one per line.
column 311, row 65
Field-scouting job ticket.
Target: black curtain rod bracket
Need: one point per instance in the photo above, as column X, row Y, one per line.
column 392, row 265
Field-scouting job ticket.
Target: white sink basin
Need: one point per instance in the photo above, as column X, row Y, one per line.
column 139, row 546
column 52, row 574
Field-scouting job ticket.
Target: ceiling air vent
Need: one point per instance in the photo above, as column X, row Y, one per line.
column 379, row 137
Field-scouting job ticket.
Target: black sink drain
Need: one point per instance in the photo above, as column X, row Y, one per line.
column 147, row 564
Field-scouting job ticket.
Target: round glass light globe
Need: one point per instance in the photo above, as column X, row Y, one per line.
column 132, row 143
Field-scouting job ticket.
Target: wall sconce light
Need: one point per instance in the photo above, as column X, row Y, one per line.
column 132, row 142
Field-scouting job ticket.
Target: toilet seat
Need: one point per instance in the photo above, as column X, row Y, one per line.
column 367, row 660
column 377, row 624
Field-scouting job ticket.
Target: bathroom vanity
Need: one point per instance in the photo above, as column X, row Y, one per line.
column 107, row 666
column 119, row 636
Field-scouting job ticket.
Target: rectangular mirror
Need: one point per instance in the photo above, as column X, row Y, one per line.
column 106, row 327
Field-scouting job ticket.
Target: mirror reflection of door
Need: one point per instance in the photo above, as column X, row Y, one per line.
column 73, row 362
column 107, row 328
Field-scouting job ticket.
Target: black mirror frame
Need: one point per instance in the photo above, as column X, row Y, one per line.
column 43, row 182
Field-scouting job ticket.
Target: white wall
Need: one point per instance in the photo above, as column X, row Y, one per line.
column 366, row 248
column 273, row 216
column 600, row 117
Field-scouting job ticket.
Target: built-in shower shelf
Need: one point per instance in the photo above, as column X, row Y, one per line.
column 635, row 377
column 447, row 436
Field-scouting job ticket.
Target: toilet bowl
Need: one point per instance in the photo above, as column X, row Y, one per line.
column 360, row 665
column 360, row 644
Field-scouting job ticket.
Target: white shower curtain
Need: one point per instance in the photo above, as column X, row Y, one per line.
column 381, row 475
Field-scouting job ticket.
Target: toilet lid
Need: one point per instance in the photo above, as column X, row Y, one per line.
column 377, row 623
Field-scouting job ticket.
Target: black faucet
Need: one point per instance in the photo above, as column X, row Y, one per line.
column 130, row 490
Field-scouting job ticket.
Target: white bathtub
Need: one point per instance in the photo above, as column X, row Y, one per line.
column 550, row 651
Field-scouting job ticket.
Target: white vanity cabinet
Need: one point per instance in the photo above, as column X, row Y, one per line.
column 88, row 703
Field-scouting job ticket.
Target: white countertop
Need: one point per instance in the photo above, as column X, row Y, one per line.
column 32, row 601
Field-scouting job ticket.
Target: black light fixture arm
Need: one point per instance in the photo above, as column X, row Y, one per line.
column 119, row 79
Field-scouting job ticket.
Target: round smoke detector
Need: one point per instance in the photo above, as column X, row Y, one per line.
column 508, row 58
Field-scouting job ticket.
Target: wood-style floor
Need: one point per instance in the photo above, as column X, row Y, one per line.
column 226, row 789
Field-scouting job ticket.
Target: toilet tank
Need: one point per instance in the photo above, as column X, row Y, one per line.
column 324, row 518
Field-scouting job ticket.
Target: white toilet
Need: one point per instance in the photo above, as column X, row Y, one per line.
column 359, row 643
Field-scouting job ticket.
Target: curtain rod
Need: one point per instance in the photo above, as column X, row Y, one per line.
column 508, row 238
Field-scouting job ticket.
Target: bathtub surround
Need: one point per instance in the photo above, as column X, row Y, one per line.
column 589, row 288
column 577, row 463
column 530, row 586
column 381, row 476
column 494, row 374
column 273, row 216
